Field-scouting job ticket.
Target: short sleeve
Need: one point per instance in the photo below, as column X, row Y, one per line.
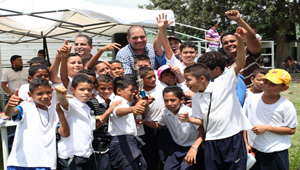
column 4, row 77
column 290, row 115
column 174, row 61
column 196, row 111
column 161, row 120
column 19, row 116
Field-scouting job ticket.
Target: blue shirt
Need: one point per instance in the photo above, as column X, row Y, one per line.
column 126, row 56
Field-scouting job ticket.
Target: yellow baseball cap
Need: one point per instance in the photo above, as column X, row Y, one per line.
column 278, row 76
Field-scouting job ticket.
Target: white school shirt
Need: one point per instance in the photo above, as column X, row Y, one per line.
column 183, row 133
column 280, row 114
column 34, row 145
column 24, row 89
column 121, row 125
column 175, row 62
column 81, row 126
column 226, row 115
column 102, row 101
column 153, row 110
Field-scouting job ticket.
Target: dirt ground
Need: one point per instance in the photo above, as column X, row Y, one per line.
column 295, row 77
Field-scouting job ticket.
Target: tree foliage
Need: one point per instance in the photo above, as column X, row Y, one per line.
column 274, row 19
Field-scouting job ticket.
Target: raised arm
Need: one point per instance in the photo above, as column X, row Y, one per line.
column 92, row 63
column 157, row 45
column 65, row 51
column 162, row 24
column 63, row 128
column 54, row 78
column 253, row 44
column 61, row 95
column 184, row 117
column 240, row 57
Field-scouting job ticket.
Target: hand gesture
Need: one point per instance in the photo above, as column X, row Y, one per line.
column 189, row 94
column 111, row 46
column 240, row 34
column 175, row 69
column 114, row 104
column 233, row 15
column 139, row 107
column 61, row 92
column 15, row 100
column 184, row 117
column 259, row 129
column 190, row 157
column 65, row 49
column 162, row 21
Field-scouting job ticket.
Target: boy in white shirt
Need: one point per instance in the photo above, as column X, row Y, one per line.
column 274, row 119
column 35, row 143
column 125, row 145
column 76, row 151
column 257, row 83
column 216, row 107
column 183, row 150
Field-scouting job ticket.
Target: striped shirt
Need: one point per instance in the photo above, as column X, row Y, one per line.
column 126, row 56
column 252, row 63
column 213, row 34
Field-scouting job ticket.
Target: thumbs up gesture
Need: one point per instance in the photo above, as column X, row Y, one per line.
column 15, row 100
column 175, row 69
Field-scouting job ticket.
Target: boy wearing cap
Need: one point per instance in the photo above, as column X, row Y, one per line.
column 274, row 118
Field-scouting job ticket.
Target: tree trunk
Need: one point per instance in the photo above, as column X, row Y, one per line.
column 279, row 49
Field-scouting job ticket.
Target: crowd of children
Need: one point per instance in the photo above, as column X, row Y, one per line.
column 184, row 115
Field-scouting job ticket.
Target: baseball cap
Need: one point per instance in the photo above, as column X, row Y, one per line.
column 278, row 76
column 174, row 37
column 162, row 69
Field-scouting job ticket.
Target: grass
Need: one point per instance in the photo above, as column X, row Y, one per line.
column 294, row 151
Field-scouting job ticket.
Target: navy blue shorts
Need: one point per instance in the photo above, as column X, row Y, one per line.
column 164, row 141
column 229, row 153
column 26, row 168
column 102, row 162
column 175, row 160
column 77, row 163
column 271, row 161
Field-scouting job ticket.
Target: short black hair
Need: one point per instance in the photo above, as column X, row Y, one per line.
column 115, row 61
column 213, row 23
column 260, row 70
column 85, row 60
column 123, row 82
column 88, row 72
column 89, row 39
column 226, row 34
column 144, row 70
column 198, row 70
column 40, row 60
column 188, row 44
column 32, row 70
column 104, row 78
column 36, row 83
column 141, row 58
column 74, row 55
column 41, row 51
column 81, row 78
column 174, row 89
column 212, row 60
column 14, row 57
column 134, row 26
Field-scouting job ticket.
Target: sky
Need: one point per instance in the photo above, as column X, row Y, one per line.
column 121, row 3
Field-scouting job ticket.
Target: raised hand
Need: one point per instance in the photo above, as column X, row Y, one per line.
column 61, row 92
column 240, row 33
column 233, row 14
column 111, row 46
column 184, row 117
column 65, row 49
column 162, row 21
column 175, row 69
column 15, row 100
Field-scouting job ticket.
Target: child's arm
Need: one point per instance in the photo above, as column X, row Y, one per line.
column 153, row 125
column 92, row 63
column 14, row 101
column 137, row 109
column 176, row 71
column 54, row 78
column 162, row 24
column 248, row 147
column 100, row 120
column 61, row 95
column 65, row 51
column 259, row 129
column 184, row 117
column 63, row 129
column 190, row 157
column 157, row 45
column 240, row 57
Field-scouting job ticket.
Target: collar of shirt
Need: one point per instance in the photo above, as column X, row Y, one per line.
column 80, row 103
column 134, row 54
column 100, row 100
column 124, row 101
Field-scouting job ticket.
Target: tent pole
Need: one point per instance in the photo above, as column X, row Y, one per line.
column 2, row 91
column 46, row 49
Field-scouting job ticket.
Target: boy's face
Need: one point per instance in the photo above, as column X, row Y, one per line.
column 105, row 89
column 74, row 65
column 150, row 79
column 270, row 88
column 172, row 102
column 83, row 91
column 168, row 78
column 257, row 84
column 143, row 63
column 175, row 46
column 102, row 68
column 188, row 55
column 42, row 96
column 193, row 83
column 127, row 93
column 117, row 70
column 40, row 73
